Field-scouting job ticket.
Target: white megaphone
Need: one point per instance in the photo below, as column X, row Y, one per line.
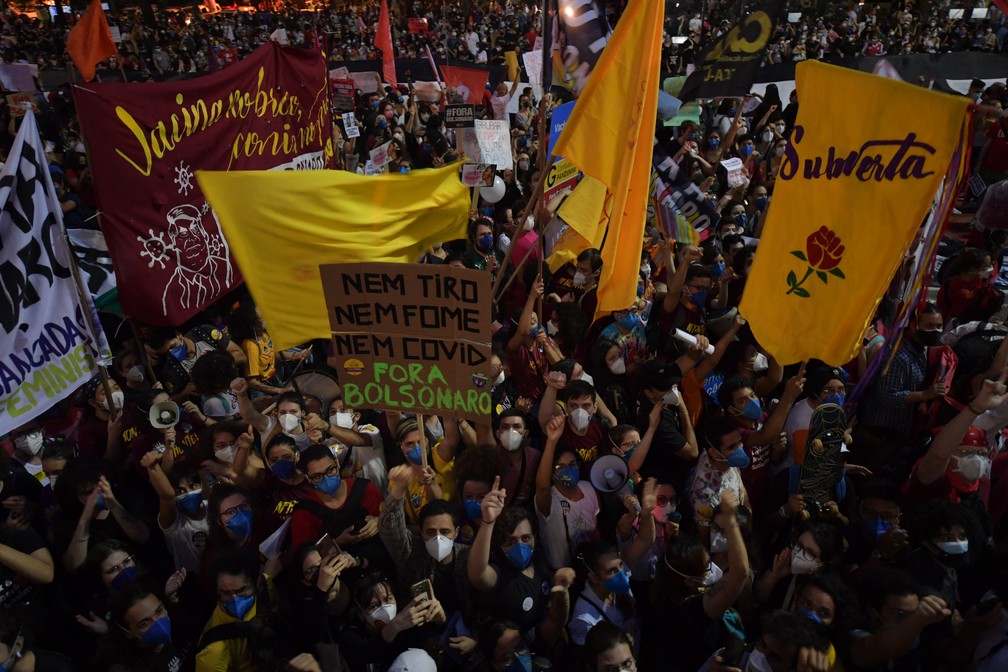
column 609, row 474
column 164, row 414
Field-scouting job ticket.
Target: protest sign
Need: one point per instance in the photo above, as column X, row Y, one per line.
column 429, row 92
column 417, row 26
column 459, row 116
column 557, row 122
column 379, row 155
column 269, row 111
column 478, row 174
column 343, row 94
column 116, row 34
column 465, row 140
column 494, row 140
column 533, row 67
column 367, row 82
column 22, row 101
column 350, row 125
column 411, row 337
column 560, row 179
column 16, row 77
column 733, row 167
column 340, row 73
column 371, row 169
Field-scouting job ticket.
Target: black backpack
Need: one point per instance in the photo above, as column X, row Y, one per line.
column 258, row 631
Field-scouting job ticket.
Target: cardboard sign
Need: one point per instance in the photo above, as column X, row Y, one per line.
column 411, row 337
column 379, row 155
column 459, row 116
column 478, row 174
column 561, row 178
column 20, row 102
column 417, row 26
column 350, row 125
column 494, row 140
column 116, row 34
column 343, row 94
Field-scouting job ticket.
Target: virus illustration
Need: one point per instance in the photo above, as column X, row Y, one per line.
column 183, row 178
column 154, row 247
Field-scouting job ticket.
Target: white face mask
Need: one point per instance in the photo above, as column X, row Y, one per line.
column 803, row 563
column 760, row 364
column 439, row 547
column 662, row 513
column 972, row 467
column 587, row 378
column 383, row 614
column 341, row 419
column 551, row 328
column 289, row 422
column 718, row 542
column 758, row 662
column 226, row 455
column 529, row 223
column 953, row 547
column 580, row 419
column 645, row 269
column 499, row 380
column 767, row 136
column 580, row 279
column 30, row 443
column 436, row 432
column 671, row 398
column 714, row 575
column 135, row 374
column 117, row 399
column 511, row 439
column 618, row 367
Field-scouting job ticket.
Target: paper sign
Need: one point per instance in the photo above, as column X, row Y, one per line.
column 538, row 45
column 427, row 91
column 561, row 113
column 533, row 67
column 274, row 544
column 478, row 174
column 734, row 168
column 350, row 125
column 465, row 140
column 379, row 155
column 343, row 93
column 16, row 77
column 459, row 116
column 411, row 337
column 116, row 35
column 371, row 169
column 417, row 26
column 494, row 140
column 20, row 102
column 367, row 82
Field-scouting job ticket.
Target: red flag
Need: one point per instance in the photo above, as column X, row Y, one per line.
column 315, row 40
column 90, row 41
column 383, row 40
column 1002, row 5
column 469, row 82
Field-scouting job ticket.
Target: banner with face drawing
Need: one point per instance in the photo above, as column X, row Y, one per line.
column 267, row 112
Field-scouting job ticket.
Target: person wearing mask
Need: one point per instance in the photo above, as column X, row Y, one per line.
column 659, row 383
column 363, row 443
column 826, row 385
column 817, row 548
column 966, row 294
column 318, row 595
column 878, row 540
column 283, row 485
column 177, row 354
column 608, row 647
column 434, row 481
column 103, row 431
column 606, row 595
column 143, row 636
column 718, row 470
column 790, row 643
column 182, row 514
column 530, row 349
column 503, row 648
column 131, row 374
column 521, row 459
column 482, row 254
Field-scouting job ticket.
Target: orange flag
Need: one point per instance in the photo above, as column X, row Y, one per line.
column 90, row 41
column 383, row 40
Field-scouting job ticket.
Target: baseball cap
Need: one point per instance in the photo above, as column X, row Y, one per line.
column 413, row 660
column 659, row 375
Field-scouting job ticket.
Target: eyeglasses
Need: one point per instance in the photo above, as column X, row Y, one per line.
column 115, row 569
column 244, row 591
column 317, row 478
column 228, row 514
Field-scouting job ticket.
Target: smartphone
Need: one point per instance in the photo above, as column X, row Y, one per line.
column 422, row 589
column 326, row 546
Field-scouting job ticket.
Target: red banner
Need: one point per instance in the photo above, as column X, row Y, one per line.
column 269, row 111
column 417, row 26
column 469, row 82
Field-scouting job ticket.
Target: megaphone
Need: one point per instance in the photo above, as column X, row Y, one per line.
column 609, row 474
column 164, row 414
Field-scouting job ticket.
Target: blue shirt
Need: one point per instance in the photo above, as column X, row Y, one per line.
column 885, row 403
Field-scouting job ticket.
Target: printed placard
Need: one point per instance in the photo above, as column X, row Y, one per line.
column 350, row 125
column 478, row 174
column 460, row 116
column 380, row 156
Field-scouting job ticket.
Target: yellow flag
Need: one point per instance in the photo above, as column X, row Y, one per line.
column 609, row 136
column 858, row 177
column 581, row 210
column 281, row 225
column 511, row 61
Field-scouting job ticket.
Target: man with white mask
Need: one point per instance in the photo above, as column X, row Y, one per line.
column 522, row 460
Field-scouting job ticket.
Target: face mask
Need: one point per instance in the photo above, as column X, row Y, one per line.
column 399, row 136
column 439, row 547
column 618, row 367
column 158, row 633
column 226, row 455
column 618, row 583
column 472, row 508
column 741, row 219
column 738, row 459
column 127, row 576
column 523, row 165
column 753, row 410
column 240, row 524
column 329, row 484
column 629, row 321
column 499, row 380
column 645, row 270
column 699, row 298
column 485, row 242
column 718, row 542
column 552, row 328
column 972, row 467
column 580, row 279
column 30, row 443
column 762, row 202
column 714, row 142
column 118, row 397
column 767, row 135
column 529, row 223
column 779, row 152
column 283, row 469
column 340, row 419
column 383, row 614
column 568, row 477
column 663, row 513
column 239, row 607
column 671, row 398
column 781, row 128
column 135, row 374
column 747, row 151
column 761, row 363
column 949, row 547
column 414, row 455
column 803, row 563
column 520, row 555
column 580, row 419
column 382, row 123
column 876, row 527
column 511, row 439
column 717, row 270
column 835, row 398
column 190, row 502
column 179, row 352
column 374, row 105
column 522, row 663
column 713, row 575
column 929, row 338
column 758, row 662
column 289, row 422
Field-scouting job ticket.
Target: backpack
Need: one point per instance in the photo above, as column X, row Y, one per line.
column 262, row 638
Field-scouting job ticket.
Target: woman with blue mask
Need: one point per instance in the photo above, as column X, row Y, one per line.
column 112, row 564
column 142, row 634
column 606, row 595
column 230, row 520
column 434, row 481
column 182, row 514
column 283, row 485
column 628, row 333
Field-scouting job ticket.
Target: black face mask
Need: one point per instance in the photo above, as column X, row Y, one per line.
column 929, row 338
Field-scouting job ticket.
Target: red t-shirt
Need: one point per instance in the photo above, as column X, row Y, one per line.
column 756, row 477
column 997, row 156
column 306, row 526
column 275, row 503
column 915, row 492
column 586, row 446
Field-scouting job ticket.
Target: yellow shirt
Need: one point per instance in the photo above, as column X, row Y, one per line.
column 416, row 493
column 260, row 356
column 228, row 655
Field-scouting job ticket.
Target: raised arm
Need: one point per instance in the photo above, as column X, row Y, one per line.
column 544, row 474
column 723, row 594
column 775, row 423
column 167, row 511
column 481, row 575
column 248, row 411
column 525, row 321
column 639, row 455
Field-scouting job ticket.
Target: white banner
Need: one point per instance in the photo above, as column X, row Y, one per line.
column 93, row 260
column 494, row 140
column 46, row 350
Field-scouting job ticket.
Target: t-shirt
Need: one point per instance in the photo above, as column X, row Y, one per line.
column 997, row 156
column 14, row 588
column 796, row 428
column 589, row 611
column 499, row 105
column 661, row 460
column 416, row 492
column 569, row 524
column 306, row 526
column 707, row 486
column 221, row 406
column 520, row 494
column 275, row 503
column 522, row 599
column 368, row 461
column 756, row 476
column 186, row 538
column 261, row 357
column 586, row 446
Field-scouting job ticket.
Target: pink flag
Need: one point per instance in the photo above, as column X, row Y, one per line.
column 383, row 40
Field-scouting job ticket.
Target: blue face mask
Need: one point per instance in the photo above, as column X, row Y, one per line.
column 473, row 511
column 127, row 576
column 190, row 503
column 158, row 633
column 239, row 607
column 714, row 142
column 747, row 151
column 692, row 137
column 876, row 527
column 568, row 477
column 835, row 398
column 522, row 663
column 812, row 616
column 329, row 484
column 753, row 410
column 534, row 331
column 241, row 524
column 283, row 469
column 717, row 270
column 520, row 555
column 629, row 321
column 414, row 455
column 762, row 202
column 699, row 298
column 618, row 583
column 374, row 105
column 179, row 352
column 738, row 459
column 741, row 219
column 485, row 242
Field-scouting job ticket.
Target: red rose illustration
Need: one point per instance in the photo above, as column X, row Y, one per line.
column 824, row 249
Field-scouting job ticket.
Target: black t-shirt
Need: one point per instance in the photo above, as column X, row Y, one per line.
column 685, row 636
column 522, row 599
column 661, row 460
column 15, row 590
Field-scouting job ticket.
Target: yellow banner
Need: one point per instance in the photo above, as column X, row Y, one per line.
column 865, row 160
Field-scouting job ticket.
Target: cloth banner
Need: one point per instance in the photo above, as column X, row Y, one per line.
column 679, row 201
column 282, row 226
column 17, row 77
column 586, row 32
column 94, row 263
column 469, row 82
column 270, row 111
column 855, row 184
column 46, row 348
